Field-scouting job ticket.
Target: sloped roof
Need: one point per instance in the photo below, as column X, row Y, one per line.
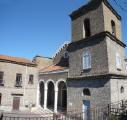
column 6, row 58
column 66, row 43
column 53, row 68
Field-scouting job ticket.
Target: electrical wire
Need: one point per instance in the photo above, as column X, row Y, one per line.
column 122, row 8
column 125, row 2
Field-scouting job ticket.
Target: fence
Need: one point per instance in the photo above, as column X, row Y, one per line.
column 102, row 113
column 118, row 108
column 95, row 114
column 92, row 114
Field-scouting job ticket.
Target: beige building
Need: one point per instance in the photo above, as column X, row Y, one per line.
column 42, row 62
column 18, row 83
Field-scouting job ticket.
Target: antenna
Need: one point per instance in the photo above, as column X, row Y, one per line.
column 66, row 35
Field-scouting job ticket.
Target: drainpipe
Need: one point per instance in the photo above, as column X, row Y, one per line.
column 118, row 89
column 25, row 84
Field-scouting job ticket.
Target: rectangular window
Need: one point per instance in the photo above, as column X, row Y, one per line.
column 1, row 77
column 18, row 80
column 16, row 103
column 113, row 28
column 118, row 61
column 0, row 98
column 31, row 79
column 86, row 28
column 126, row 66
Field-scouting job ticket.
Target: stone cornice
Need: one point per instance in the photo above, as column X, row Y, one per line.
column 110, row 76
column 112, row 9
column 90, row 6
column 115, row 39
column 54, row 72
column 95, row 37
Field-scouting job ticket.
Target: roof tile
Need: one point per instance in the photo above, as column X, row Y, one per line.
column 15, row 59
column 53, row 68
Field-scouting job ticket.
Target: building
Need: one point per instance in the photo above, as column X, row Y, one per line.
column 126, row 64
column 42, row 62
column 86, row 73
column 52, row 81
column 18, row 79
column 94, row 71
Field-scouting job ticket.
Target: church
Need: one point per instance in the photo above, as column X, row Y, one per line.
column 90, row 71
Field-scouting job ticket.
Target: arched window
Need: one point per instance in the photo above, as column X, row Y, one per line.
column 113, row 27
column 86, row 32
column 1, row 77
column 86, row 60
column 118, row 61
column 122, row 89
column 86, row 91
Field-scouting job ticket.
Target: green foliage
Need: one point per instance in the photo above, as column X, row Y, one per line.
column 113, row 117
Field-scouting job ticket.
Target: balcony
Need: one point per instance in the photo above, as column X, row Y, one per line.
column 18, row 84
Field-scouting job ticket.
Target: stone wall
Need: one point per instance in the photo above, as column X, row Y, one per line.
column 53, row 76
column 42, row 62
column 99, row 89
column 116, row 85
column 95, row 14
column 99, row 60
column 27, row 92
column 112, row 49
column 108, row 16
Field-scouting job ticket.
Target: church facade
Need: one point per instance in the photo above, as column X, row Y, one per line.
column 89, row 71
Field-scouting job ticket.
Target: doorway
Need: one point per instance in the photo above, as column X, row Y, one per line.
column 16, row 103
column 86, row 110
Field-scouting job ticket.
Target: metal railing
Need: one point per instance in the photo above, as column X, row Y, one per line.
column 101, row 113
column 92, row 114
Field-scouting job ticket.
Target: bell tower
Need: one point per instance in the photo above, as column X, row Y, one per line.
column 95, row 17
column 96, row 29
column 96, row 55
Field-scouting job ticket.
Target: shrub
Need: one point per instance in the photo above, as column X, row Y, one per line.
column 112, row 117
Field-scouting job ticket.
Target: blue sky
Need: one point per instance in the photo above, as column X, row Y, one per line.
column 39, row 27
